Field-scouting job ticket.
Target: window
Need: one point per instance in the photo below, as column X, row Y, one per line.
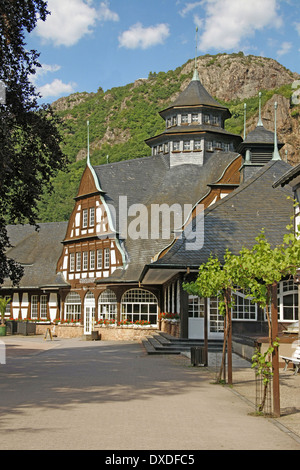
column 196, row 307
column 107, row 305
column 206, row 118
column 243, row 308
column 186, row 145
column 92, row 260
column 176, row 146
column 174, row 120
column 218, row 145
column 169, row 122
column 209, row 146
column 78, row 261
column 215, row 120
column 85, row 260
column 197, row 145
column 195, row 118
column 288, row 301
column 72, row 261
column 34, row 306
column 92, row 217
column 166, row 148
column 106, row 258
column 72, row 306
column 43, row 307
column 184, row 118
column 139, row 304
column 84, row 218
column 216, row 321
column 39, row 307
column 99, row 259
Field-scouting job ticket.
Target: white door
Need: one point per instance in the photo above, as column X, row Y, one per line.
column 89, row 313
column 196, row 317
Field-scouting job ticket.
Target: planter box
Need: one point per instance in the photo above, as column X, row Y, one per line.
column 11, row 327
column 26, row 328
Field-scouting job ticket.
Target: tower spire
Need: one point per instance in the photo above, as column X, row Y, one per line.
column 245, row 113
column 260, row 123
column 88, row 143
column 196, row 75
column 276, row 155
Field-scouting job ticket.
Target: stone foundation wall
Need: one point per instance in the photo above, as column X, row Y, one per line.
column 105, row 333
column 170, row 327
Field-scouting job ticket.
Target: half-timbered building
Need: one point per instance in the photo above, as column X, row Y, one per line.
column 131, row 240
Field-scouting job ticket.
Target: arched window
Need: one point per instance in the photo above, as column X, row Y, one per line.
column 139, row 304
column 288, row 300
column 107, row 305
column 72, row 306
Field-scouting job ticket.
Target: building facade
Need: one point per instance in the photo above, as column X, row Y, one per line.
column 141, row 227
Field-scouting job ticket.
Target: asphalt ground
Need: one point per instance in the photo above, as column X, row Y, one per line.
column 69, row 394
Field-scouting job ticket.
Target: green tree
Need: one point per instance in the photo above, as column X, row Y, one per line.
column 30, row 153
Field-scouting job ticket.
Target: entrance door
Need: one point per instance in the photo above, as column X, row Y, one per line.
column 196, row 317
column 89, row 313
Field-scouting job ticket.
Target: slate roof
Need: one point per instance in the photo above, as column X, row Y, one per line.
column 150, row 181
column 235, row 221
column 196, row 95
column 38, row 251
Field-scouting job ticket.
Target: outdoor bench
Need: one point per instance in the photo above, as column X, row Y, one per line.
column 295, row 359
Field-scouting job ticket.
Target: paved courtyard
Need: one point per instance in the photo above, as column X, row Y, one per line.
column 78, row 395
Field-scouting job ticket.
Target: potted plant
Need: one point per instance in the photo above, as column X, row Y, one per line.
column 3, row 303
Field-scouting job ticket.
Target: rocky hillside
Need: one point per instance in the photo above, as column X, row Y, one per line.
column 123, row 117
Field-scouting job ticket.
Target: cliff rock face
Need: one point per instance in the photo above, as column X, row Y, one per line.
column 227, row 77
column 235, row 76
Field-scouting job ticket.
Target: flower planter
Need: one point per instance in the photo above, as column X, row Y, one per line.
column 2, row 330
column 26, row 328
column 11, row 327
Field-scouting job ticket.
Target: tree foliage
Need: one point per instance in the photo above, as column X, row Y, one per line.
column 30, row 153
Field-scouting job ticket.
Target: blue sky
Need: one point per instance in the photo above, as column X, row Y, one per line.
column 87, row 44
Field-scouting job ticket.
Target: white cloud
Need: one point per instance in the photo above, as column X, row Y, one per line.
column 228, row 22
column 70, row 20
column 189, row 7
column 285, row 48
column 105, row 14
column 139, row 37
column 56, row 88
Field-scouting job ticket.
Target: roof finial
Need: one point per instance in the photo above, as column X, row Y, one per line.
column 276, row 155
column 260, row 123
column 245, row 112
column 88, row 143
column 196, row 75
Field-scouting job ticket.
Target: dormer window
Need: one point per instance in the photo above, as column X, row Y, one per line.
column 169, row 122
column 195, row 118
column 215, row 120
column 174, row 119
column 209, row 146
column 206, row 118
column 184, row 118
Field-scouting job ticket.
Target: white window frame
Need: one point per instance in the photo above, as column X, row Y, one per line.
column 139, row 304
column 92, row 260
column 72, row 306
column 287, row 288
column 106, row 258
column 99, row 259
column 85, row 260
column 107, row 305
column 78, row 261
column 92, row 216
column 72, row 262
column 176, row 146
column 197, row 144
column 43, row 306
column 34, row 307
column 84, row 218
